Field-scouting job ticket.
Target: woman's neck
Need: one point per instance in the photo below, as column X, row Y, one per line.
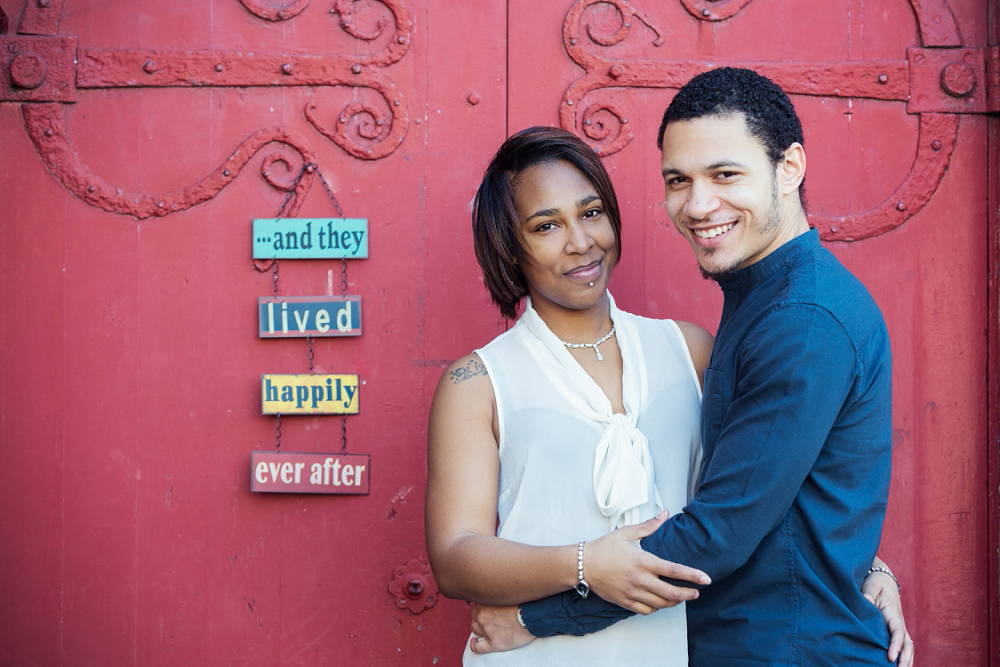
column 576, row 326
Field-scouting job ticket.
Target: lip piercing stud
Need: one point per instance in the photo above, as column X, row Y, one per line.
column 591, row 284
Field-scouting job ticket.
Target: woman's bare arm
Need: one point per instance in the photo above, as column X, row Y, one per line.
column 463, row 468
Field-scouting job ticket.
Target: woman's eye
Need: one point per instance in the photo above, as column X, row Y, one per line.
column 545, row 226
column 592, row 213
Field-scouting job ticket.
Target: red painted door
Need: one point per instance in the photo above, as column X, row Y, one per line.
column 130, row 363
column 137, row 142
column 893, row 99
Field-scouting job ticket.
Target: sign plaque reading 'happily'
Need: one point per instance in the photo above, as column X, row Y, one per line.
column 302, row 316
column 295, row 472
column 309, row 394
column 310, row 238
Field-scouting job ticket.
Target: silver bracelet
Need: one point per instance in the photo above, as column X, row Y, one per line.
column 879, row 568
column 582, row 587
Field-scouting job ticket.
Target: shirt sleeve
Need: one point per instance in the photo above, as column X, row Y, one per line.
column 795, row 370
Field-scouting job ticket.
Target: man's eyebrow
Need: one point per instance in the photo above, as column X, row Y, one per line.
column 545, row 212
column 670, row 171
column 724, row 163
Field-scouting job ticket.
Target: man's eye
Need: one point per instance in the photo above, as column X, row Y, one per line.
column 674, row 181
column 727, row 174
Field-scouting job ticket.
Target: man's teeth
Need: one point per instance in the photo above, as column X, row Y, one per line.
column 713, row 232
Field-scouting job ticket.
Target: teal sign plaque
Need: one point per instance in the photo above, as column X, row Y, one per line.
column 310, row 238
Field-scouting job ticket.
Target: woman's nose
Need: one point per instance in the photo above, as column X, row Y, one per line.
column 579, row 240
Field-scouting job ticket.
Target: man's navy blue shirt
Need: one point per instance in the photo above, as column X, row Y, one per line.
column 796, row 430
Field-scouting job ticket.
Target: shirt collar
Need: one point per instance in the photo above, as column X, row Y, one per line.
column 768, row 266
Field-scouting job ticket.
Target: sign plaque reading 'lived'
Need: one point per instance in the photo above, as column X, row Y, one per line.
column 302, row 316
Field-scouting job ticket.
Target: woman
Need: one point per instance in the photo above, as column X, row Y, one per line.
column 557, row 426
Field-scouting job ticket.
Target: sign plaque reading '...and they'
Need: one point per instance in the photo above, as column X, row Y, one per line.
column 309, row 394
column 294, row 472
column 301, row 316
column 310, row 238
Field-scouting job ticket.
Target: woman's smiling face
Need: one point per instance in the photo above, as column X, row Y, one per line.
column 569, row 241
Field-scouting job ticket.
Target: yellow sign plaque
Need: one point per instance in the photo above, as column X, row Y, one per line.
column 309, row 394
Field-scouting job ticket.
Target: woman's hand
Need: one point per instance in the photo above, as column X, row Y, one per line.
column 883, row 592
column 496, row 629
column 619, row 571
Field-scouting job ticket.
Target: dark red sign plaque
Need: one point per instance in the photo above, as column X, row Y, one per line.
column 300, row 472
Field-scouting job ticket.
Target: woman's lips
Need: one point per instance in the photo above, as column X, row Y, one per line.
column 586, row 272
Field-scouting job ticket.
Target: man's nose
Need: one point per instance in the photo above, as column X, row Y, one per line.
column 701, row 201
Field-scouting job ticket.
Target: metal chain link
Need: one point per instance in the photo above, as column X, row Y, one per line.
column 329, row 191
column 277, row 432
column 311, row 355
column 343, row 434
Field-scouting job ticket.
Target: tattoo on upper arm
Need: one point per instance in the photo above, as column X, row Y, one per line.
column 471, row 369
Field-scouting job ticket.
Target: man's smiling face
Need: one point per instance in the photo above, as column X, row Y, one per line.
column 724, row 194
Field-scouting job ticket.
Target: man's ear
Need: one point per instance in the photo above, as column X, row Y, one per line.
column 792, row 169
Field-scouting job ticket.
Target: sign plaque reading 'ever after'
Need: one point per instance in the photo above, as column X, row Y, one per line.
column 294, row 472
column 310, row 238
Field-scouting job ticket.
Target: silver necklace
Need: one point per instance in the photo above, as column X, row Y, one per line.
column 600, row 357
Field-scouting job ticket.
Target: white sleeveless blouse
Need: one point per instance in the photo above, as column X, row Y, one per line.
column 548, row 447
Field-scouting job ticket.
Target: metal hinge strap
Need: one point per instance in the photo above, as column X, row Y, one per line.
column 992, row 79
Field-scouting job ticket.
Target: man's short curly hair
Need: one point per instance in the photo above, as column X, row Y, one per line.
column 769, row 114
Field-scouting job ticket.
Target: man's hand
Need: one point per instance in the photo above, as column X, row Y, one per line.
column 882, row 591
column 618, row 570
column 496, row 629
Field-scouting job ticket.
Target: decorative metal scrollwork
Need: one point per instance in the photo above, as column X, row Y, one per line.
column 714, row 10
column 268, row 13
column 50, row 75
column 594, row 108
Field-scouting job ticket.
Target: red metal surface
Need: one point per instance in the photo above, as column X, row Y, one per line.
column 37, row 69
column 993, row 329
column 40, row 17
column 413, row 587
column 947, row 80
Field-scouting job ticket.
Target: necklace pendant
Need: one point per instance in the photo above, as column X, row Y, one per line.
column 600, row 357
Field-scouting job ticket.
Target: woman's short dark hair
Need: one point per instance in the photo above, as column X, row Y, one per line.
column 496, row 230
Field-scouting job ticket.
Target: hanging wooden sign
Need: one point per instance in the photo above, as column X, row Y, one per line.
column 309, row 394
column 310, row 238
column 300, row 472
column 302, row 316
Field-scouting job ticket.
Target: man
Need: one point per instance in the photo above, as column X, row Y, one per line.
column 796, row 412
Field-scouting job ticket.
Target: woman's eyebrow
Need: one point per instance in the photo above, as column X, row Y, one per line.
column 543, row 213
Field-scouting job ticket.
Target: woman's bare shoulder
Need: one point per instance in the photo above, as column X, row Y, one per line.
column 699, row 343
